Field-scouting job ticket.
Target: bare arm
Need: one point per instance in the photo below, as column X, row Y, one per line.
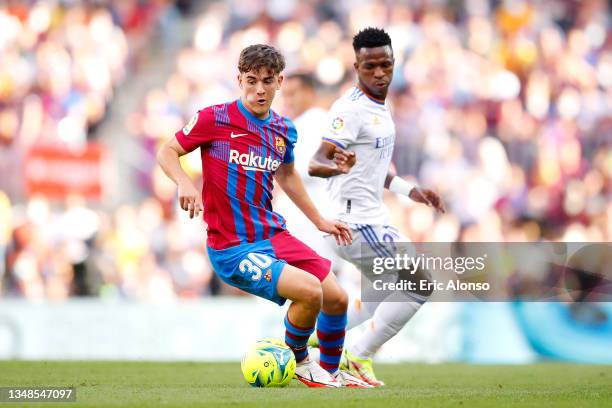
column 331, row 160
column 190, row 198
column 291, row 182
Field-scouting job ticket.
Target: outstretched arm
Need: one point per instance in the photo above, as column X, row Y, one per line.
column 291, row 182
column 168, row 158
column 331, row 160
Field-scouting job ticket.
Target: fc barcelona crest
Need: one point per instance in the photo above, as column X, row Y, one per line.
column 280, row 145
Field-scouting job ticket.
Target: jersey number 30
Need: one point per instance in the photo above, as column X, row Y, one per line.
column 253, row 264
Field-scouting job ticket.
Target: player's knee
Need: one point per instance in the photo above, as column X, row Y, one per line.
column 312, row 294
column 342, row 300
column 336, row 302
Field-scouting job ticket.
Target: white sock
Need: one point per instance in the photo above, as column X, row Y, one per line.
column 388, row 319
column 358, row 312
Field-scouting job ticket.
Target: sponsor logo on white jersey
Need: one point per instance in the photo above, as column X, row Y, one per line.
column 251, row 161
column 384, row 141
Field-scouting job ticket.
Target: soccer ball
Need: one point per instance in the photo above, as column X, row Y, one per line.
column 269, row 363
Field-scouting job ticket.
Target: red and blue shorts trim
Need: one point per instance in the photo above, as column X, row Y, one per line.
column 256, row 267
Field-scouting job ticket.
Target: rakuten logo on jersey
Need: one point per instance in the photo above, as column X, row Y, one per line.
column 250, row 161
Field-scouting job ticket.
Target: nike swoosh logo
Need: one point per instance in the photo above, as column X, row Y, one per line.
column 234, row 135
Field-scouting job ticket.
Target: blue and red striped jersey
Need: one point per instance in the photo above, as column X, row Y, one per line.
column 240, row 155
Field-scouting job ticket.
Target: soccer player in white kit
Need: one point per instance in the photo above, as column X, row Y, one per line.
column 355, row 155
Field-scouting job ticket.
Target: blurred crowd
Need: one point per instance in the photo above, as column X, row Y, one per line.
column 60, row 62
column 503, row 107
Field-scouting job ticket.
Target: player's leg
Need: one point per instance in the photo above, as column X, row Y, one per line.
column 306, row 294
column 357, row 311
column 256, row 269
column 389, row 315
column 331, row 329
column 331, row 322
column 388, row 319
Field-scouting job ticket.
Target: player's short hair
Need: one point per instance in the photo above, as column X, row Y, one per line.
column 371, row 37
column 255, row 57
column 306, row 80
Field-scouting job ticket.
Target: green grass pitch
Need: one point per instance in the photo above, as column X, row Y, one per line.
column 131, row 384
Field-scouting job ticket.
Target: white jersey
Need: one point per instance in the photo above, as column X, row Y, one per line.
column 364, row 126
column 310, row 125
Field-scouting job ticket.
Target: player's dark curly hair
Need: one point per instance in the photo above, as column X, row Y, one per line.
column 371, row 37
column 259, row 56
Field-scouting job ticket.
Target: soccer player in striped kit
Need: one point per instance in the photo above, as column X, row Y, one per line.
column 355, row 156
column 244, row 145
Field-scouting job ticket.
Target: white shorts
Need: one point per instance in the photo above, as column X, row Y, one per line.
column 370, row 241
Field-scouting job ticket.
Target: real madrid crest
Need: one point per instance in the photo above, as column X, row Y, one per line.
column 280, row 145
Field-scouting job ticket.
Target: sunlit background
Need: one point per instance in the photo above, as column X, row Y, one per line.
column 503, row 107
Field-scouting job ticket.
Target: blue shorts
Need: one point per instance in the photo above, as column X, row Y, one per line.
column 256, row 267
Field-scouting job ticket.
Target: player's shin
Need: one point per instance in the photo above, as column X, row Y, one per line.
column 296, row 338
column 358, row 312
column 389, row 318
column 330, row 331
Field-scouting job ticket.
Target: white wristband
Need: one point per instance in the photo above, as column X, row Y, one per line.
column 400, row 186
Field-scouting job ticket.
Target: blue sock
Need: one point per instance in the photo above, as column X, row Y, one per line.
column 330, row 331
column 296, row 338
